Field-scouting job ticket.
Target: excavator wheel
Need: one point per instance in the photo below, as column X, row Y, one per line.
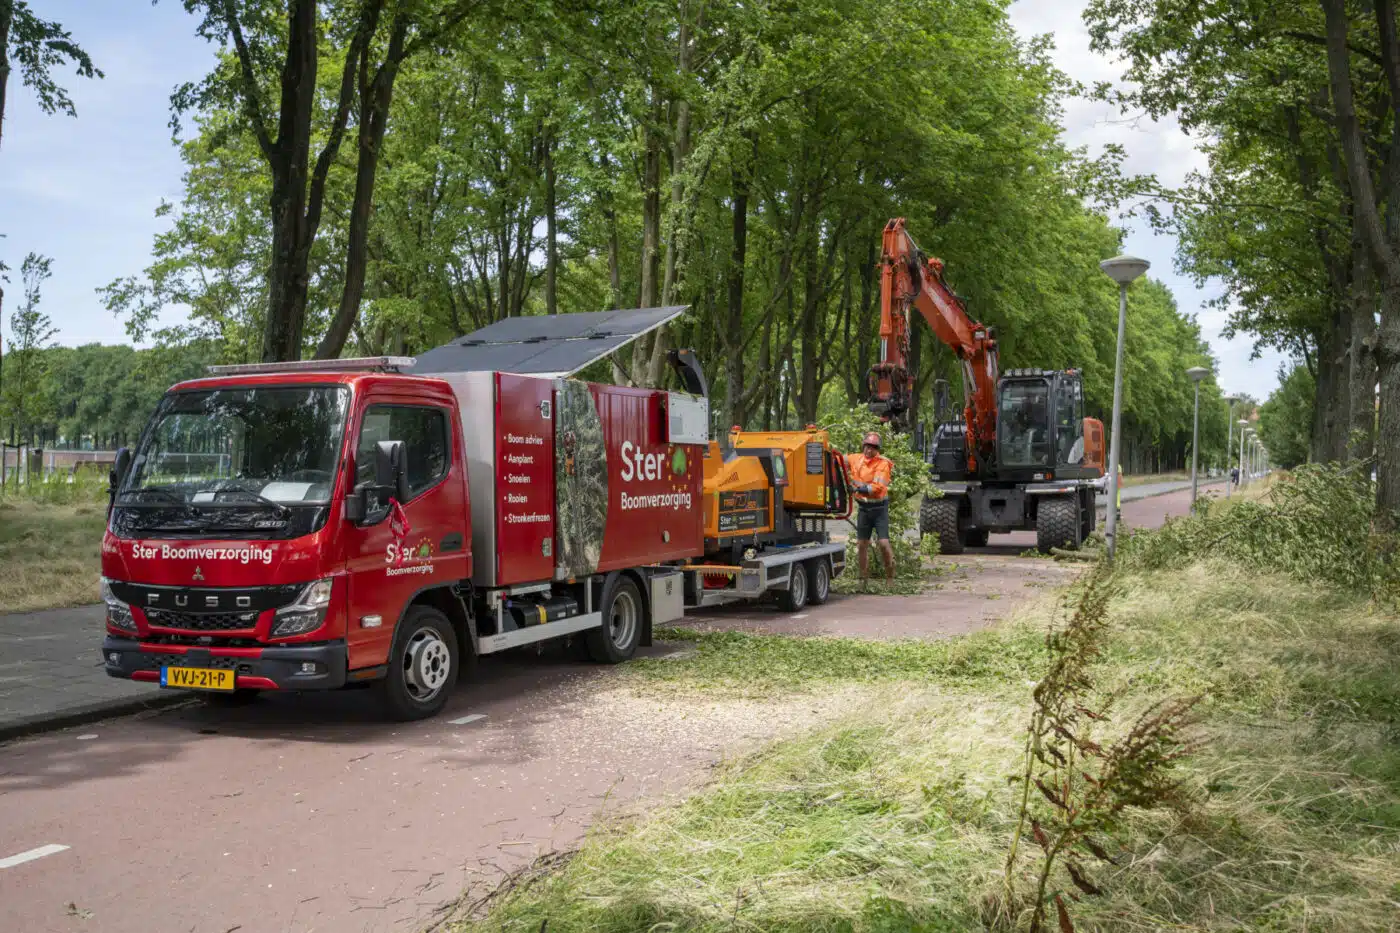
column 940, row 517
column 1057, row 523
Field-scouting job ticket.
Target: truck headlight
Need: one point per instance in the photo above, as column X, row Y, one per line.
column 118, row 612
column 307, row 614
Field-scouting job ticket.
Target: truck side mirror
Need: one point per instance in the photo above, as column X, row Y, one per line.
column 389, row 470
column 116, row 475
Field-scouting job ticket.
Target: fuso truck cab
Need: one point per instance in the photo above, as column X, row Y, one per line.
column 305, row 526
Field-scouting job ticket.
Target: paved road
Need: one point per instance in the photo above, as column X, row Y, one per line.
column 304, row 814
column 51, row 670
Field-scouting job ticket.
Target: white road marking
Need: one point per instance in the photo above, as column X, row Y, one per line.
column 799, row 615
column 87, row 737
column 466, row 719
column 31, row 855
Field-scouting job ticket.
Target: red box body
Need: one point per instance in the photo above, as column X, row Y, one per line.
column 586, row 482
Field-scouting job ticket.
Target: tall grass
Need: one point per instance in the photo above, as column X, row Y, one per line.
column 48, row 553
column 899, row 817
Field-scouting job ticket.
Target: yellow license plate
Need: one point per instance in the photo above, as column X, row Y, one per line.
column 196, row 678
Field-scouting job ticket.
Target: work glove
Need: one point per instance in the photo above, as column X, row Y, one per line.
column 863, row 488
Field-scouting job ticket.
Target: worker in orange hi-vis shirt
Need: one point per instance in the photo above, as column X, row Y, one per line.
column 870, row 478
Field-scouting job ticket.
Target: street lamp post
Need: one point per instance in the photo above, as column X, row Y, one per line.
column 1229, row 440
column 1197, row 373
column 1123, row 270
column 1244, row 430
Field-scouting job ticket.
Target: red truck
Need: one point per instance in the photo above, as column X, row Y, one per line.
column 315, row 525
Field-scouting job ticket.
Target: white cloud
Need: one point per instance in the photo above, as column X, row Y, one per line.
column 1152, row 147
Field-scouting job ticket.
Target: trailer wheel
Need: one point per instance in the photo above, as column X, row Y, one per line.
column 1057, row 523
column 422, row 666
column 977, row 537
column 940, row 517
column 794, row 598
column 617, row 640
column 819, row 576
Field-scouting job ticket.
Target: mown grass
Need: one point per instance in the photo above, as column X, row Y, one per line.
column 49, row 554
column 899, row 817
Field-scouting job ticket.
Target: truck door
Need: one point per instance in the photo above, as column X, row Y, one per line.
column 391, row 558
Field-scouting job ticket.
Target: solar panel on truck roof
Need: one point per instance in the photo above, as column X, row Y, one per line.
column 544, row 345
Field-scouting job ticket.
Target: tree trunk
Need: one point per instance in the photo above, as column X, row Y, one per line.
column 1359, row 426
column 551, row 245
column 863, row 328
column 651, row 231
column 733, row 333
column 287, row 279
column 811, row 300
column 375, row 100
column 7, row 14
column 1382, row 254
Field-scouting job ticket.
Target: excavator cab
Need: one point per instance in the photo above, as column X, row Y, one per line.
column 1042, row 433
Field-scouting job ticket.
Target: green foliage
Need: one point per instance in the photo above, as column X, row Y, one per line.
column 513, row 116
column 35, row 47
column 26, row 394
column 1286, row 418
column 1314, row 525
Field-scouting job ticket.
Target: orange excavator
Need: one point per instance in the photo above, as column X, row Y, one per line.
column 1023, row 456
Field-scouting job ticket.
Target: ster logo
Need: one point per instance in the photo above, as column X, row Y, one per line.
column 198, row 574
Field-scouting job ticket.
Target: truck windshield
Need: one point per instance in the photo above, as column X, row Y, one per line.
column 1024, row 424
column 264, row 446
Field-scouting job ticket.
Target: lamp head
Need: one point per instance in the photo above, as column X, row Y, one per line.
column 1197, row 373
column 1124, row 269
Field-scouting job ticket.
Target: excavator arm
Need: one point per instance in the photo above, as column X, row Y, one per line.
column 908, row 279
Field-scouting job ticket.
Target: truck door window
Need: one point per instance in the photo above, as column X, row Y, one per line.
column 1023, row 424
column 425, row 439
column 1069, row 421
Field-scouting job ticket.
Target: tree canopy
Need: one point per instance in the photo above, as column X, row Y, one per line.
column 738, row 158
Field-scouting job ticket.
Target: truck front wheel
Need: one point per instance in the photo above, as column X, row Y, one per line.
column 617, row 640
column 422, row 666
column 940, row 517
column 1057, row 523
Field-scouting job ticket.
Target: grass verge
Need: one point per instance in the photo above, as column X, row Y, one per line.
column 49, row 554
column 898, row 818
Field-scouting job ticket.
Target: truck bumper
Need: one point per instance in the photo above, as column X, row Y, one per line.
column 300, row 667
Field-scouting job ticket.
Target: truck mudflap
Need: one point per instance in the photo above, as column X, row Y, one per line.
column 275, row 667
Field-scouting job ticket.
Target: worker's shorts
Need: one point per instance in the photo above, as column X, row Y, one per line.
column 872, row 519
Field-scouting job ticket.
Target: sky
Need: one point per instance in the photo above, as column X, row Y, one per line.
column 84, row 191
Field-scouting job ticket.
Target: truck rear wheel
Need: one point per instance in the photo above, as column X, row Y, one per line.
column 617, row 640
column 422, row 666
column 1057, row 523
column 819, row 578
column 940, row 517
column 794, row 597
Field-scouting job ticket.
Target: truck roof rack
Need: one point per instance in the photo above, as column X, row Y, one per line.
column 363, row 364
column 554, row 345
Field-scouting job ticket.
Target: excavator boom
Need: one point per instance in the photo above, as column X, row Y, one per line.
column 908, row 280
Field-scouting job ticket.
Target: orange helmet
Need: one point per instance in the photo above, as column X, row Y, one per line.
column 872, row 439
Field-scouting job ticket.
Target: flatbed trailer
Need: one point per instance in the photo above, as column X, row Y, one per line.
column 799, row 574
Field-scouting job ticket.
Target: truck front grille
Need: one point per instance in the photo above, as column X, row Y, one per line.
column 202, row 621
